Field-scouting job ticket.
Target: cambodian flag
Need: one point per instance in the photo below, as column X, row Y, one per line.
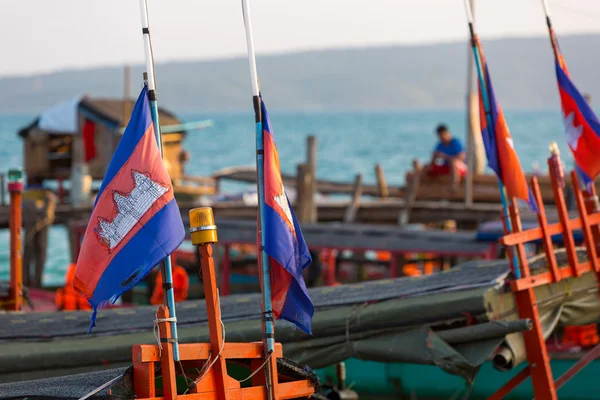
column 499, row 146
column 581, row 124
column 135, row 221
column 284, row 244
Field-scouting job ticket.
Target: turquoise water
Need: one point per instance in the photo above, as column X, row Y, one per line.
column 348, row 143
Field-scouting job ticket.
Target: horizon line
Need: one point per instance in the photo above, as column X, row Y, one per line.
column 298, row 51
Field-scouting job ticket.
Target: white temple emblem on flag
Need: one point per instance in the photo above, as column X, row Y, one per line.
column 131, row 208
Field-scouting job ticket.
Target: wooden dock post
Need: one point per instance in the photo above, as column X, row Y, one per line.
column 411, row 195
column 350, row 215
column 311, row 165
column 383, row 187
column 302, row 192
column 2, row 193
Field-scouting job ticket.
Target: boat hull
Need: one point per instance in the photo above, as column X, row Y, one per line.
column 378, row 380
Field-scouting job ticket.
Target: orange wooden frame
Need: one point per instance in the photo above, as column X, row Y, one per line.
column 588, row 221
column 14, row 301
column 215, row 383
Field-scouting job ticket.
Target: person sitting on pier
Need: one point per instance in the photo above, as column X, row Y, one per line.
column 448, row 157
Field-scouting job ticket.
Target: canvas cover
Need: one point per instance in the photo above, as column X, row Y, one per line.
column 61, row 118
column 424, row 320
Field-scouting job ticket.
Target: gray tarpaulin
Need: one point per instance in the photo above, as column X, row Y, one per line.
column 395, row 330
column 454, row 319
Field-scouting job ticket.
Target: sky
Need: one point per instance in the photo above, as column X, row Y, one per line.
column 40, row 36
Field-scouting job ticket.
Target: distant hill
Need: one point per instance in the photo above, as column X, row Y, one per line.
column 430, row 76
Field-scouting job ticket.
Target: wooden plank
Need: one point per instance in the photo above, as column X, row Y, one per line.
column 369, row 212
column 248, row 175
column 546, row 237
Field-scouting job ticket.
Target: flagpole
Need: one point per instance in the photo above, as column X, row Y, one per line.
column 267, row 318
column 549, row 24
column 167, row 273
column 486, row 104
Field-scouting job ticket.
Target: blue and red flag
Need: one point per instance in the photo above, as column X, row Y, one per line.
column 499, row 146
column 284, row 244
column 135, row 221
column 581, row 124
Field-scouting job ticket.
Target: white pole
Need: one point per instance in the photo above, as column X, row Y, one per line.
column 147, row 45
column 469, row 12
column 250, row 44
column 267, row 323
column 546, row 8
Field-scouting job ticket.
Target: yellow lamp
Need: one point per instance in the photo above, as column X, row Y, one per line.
column 202, row 226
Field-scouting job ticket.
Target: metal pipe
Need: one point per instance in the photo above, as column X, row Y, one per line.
column 167, row 273
column 267, row 320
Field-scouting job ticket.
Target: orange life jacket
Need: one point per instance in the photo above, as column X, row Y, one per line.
column 67, row 299
column 181, row 285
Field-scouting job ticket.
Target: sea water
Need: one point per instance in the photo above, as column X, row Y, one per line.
column 348, row 143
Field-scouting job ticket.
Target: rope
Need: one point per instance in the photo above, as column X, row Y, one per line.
column 208, row 365
column 258, row 369
column 156, row 330
column 93, row 392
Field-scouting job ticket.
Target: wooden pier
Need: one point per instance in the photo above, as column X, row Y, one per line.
column 373, row 212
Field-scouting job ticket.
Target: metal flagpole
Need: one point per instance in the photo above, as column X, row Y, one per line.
column 267, row 320
column 549, row 24
column 167, row 273
column 486, row 104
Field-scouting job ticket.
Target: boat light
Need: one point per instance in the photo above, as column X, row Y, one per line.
column 202, row 226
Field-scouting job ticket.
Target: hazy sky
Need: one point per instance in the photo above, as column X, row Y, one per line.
column 47, row 35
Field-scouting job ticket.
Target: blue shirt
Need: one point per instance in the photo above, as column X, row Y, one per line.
column 452, row 148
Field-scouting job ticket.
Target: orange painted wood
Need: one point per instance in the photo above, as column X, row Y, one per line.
column 213, row 311
column 591, row 204
column 585, row 223
column 537, row 354
column 209, row 383
column 167, row 361
column 511, row 384
column 330, row 281
column 546, row 237
column 144, row 383
column 546, row 277
column 554, row 229
column 294, row 390
column 274, row 377
column 15, row 299
column 199, row 351
column 289, row 390
column 249, row 350
column 563, row 216
column 519, row 248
